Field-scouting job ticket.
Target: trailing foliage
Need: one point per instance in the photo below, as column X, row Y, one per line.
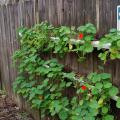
column 114, row 51
column 86, row 34
column 44, row 83
column 57, row 40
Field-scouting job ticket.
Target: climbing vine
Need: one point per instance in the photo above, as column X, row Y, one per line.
column 44, row 82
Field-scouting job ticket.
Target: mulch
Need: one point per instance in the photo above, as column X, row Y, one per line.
column 10, row 111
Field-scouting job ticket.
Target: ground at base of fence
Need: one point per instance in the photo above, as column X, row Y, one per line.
column 9, row 110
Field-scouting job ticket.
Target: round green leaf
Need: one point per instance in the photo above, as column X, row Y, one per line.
column 118, row 103
column 99, row 85
column 107, row 85
column 108, row 117
column 95, row 91
column 63, row 115
column 105, row 76
column 94, row 104
column 113, row 91
column 68, row 84
column 104, row 110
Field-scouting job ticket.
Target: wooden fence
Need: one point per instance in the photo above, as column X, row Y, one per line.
column 102, row 13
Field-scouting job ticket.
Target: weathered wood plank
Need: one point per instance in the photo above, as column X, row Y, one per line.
column 90, row 11
column 102, row 13
column 4, row 49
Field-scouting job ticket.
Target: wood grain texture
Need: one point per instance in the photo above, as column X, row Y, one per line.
column 14, row 14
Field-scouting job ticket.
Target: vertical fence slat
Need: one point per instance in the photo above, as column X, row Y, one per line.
column 52, row 11
column 4, row 49
column 8, row 45
column 59, row 6
column 80, row 13
column 90, row 11
column 1, row 64
column 105, row 15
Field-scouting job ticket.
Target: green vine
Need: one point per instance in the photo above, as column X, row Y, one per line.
column 45, row 84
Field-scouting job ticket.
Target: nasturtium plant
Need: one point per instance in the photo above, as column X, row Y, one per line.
column 113, row 38
column 44, row 83
column 86, row 35
column 63, row 40
column 59, row 45
column 87, row 29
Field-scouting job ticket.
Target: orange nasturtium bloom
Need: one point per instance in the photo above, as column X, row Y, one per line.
column 83, row 87
column 81, row 35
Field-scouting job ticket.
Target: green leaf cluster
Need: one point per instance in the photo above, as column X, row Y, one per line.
column 113, row 38
column 43, row 82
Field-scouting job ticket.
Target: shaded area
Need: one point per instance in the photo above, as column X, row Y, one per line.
column 9, row 110
column 115, row 111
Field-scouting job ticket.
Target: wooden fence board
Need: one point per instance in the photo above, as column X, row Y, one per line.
column 90, row 11
column 102, row 13
column 4, row 50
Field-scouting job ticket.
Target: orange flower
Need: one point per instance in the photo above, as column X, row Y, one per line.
column 81, row 36
column 83, row 87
